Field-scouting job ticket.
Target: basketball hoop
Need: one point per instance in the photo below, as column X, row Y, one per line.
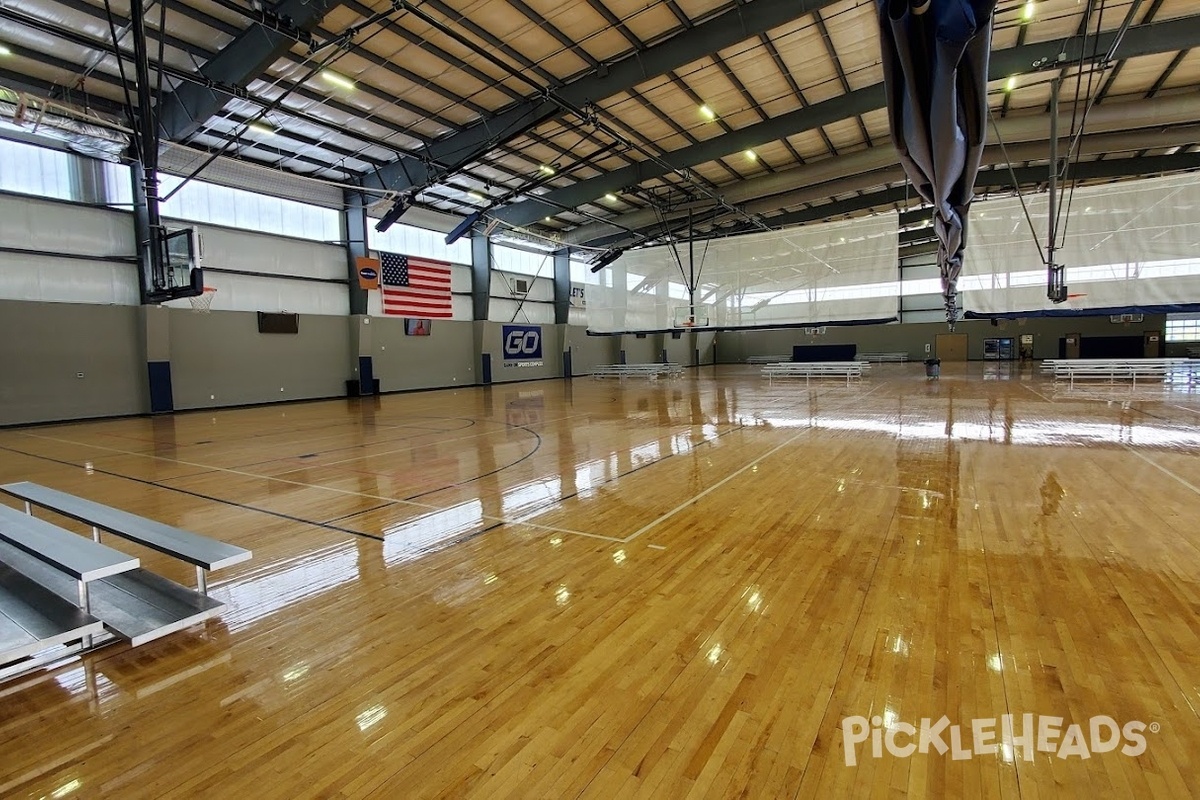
column 202, row 303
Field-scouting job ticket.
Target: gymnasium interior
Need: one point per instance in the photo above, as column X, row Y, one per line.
column 610, row 398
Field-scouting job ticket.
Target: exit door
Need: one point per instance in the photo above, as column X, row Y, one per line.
column 952, row 346
column 1072, row 345
column 1152, row 344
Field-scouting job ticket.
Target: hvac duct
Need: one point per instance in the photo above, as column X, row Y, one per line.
column 34, row 115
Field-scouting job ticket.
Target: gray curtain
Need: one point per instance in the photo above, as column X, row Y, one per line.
column 935, row 66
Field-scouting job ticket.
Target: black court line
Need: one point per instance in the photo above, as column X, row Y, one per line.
column 360, row 446
column 232, row 503
column 356, row 513
column 536, row 447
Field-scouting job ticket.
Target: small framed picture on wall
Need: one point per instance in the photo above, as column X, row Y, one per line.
column 417, row 327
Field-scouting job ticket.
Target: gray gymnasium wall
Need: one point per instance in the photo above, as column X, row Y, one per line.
column 736, row 346
column 220, row 359
column 588, row 352
column 45, row 346
column 444, row 358
column 642, row 351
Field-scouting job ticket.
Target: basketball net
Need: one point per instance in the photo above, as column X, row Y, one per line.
column 202, row 303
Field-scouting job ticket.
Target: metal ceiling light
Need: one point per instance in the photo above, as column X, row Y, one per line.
column 340, row 81
column 394, row 213
column 606, row 258
column 463, row 228
column 4, row 51
column 546, row 169
column 263, row 128
column 707, row 113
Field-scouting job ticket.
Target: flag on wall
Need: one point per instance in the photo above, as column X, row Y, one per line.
column 368, row 272
column 415, row 287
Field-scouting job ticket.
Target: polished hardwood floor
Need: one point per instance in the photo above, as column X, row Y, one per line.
column 655, row 589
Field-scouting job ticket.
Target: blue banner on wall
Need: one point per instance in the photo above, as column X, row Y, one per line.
column 522, row 342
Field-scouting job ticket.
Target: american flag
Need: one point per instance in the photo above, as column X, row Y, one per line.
column 415, row 287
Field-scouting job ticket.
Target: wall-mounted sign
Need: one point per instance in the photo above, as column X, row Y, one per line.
column 522, row 345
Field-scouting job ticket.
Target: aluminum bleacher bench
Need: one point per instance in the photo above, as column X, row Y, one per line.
column 768, row 359
column 204, row 553
column 1112, row 370
column 649, row 371
column 35, row 620
column 816, row 369
column 879, row 358
column 33, row 617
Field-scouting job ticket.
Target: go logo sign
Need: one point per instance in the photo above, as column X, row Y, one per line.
column 522, row 342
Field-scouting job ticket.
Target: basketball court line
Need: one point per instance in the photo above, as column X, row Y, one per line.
column 1166, row 471
column 335, row 490
column 190, row 493
column 1035, row 391
column 386, row 499
column 453, row 439
column 695, row 498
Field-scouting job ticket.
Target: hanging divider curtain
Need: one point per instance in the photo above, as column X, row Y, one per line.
column 832, row 272
column 1130, row 244
column 935, row 67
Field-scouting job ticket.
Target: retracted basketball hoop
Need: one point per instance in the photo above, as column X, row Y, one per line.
column 696, row 316
column 202, row 303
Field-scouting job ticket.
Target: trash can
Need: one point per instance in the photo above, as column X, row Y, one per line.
column 933, row 368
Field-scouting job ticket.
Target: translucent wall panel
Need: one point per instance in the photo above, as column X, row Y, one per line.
column 1135, row 243
column 198, row 201
column 504, row 284
column 510, row 259
column 413, row 241
column 31, row 224
column 255, row 293
column 67, row 280
column 838, row 271
column 28, row 169
column 227, row 249
column 502, row 310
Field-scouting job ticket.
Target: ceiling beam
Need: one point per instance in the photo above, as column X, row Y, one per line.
column 994, row 180
column 1163, row 122
column 251, row 52
column 450, row 154
column 1141, row 40
column 988, row 180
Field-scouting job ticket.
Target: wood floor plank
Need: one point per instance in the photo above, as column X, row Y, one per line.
column 446, row 601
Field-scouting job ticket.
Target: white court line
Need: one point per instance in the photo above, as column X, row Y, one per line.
column 452, row 439
column 1035, row 391
column 656, row 547
column 1163, row 469
column 395, row 500
column 1185, row 408
column 732, row 475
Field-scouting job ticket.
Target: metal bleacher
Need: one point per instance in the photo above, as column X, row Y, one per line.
column 648, row 371
column 62, row 594
column 1114, row 370
column 810, row 370
column 879, row 358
